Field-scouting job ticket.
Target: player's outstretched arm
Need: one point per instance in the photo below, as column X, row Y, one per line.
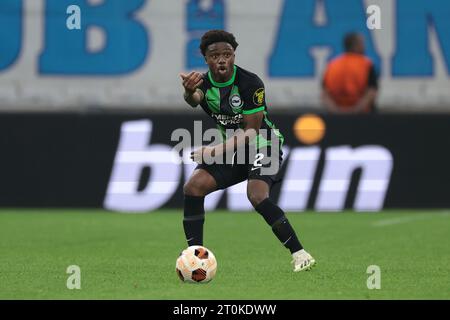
column 252, row 124
column 191, row 82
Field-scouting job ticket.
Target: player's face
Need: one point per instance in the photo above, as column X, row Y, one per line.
column 220, row 59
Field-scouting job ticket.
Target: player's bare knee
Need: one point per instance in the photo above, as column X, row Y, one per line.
column 256, row 197
column 193, row 188
column 198, row 187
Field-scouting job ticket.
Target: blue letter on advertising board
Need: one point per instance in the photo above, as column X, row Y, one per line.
column 413, row 56
column 298, row 33
column 10, row 32
column 66, row 51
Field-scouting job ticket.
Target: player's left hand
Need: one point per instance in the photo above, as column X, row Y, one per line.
column 199, row 154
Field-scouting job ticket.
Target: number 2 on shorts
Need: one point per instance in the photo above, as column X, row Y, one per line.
column 258, row 157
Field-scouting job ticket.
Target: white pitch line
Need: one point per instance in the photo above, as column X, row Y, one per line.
column 406, row 219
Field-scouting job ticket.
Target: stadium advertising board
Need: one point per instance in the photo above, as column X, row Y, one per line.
column 127, row 163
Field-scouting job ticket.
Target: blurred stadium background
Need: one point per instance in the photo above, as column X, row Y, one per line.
column 83, row 110
column 86, row 115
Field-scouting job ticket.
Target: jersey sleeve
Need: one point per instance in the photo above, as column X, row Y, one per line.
column 254, row 97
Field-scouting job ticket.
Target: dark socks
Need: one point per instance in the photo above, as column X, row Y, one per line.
column 194, row 217
column 281, row 227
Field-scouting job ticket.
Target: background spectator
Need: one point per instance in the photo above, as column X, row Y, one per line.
column 350, row 83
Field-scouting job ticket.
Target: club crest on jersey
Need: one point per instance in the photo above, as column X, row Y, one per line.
column 258, row 97
column 236, row 103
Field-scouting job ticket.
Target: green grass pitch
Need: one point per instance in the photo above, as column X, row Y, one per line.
column 132, row 256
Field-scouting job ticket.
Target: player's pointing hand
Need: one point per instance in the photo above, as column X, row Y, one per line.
column 191, row 81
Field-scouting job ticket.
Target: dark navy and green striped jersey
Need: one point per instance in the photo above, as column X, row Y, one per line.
column 227, row 102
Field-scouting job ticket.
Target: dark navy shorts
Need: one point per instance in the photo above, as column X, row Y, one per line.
column 263, row 165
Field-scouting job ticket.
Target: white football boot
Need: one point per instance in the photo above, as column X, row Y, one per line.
column 302, row 260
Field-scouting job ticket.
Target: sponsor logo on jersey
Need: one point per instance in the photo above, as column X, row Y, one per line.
column 236, row 103
column 226, row 120
column 258, row 96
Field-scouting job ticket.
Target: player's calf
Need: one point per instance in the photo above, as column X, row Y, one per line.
column 194, row 218
column 281, row 227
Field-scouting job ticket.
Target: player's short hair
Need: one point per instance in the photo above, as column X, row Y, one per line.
column 350, row 40
column 213, row 36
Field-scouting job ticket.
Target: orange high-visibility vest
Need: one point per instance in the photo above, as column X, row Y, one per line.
column 346, row 79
